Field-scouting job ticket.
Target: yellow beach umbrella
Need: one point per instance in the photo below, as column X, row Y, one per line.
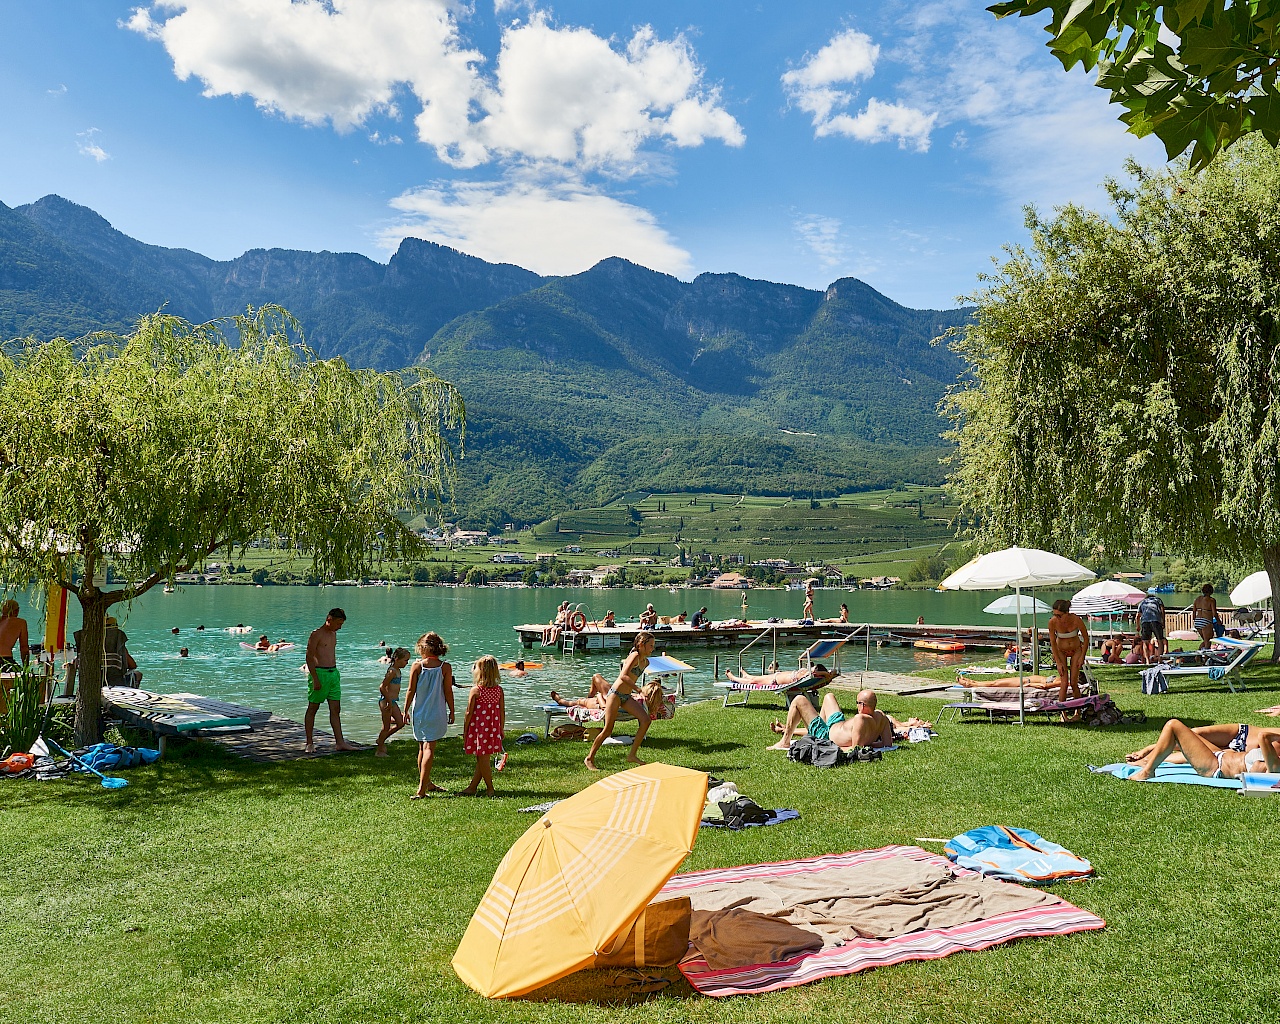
column 580, row 878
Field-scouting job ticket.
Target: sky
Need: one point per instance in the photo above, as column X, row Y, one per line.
column 893, row 142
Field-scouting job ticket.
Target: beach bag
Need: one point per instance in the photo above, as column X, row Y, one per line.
column 659, row 938
column 568, row 732
column 742, row 812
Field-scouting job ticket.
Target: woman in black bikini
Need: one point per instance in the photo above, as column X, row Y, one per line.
column 622, row 695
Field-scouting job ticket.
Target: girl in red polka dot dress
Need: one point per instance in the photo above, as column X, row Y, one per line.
column 486, row 716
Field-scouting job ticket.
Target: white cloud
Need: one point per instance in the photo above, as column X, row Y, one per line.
column 558, row 94
column 561, row 228
column 1049, row 137
column 820, row 86
column 87, row 144
column 881, row 122
column 821, row 236
column 847, row 58
column 60, row 91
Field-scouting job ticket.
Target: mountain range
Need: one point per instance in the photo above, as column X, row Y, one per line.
column 578, row 388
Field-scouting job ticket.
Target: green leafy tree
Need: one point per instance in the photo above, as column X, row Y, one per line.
column 1195, row 73
column 1125, row 382
column 153, row 451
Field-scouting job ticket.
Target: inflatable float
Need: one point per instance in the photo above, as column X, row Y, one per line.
column 527, row 664
column 940, row 646
column 273, row 649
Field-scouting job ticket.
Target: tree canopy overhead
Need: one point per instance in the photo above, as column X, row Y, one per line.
column 155, row 450
column 1195, row 73
column 1125, row 371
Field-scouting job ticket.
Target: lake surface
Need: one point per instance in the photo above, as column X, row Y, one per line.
column 474, row 621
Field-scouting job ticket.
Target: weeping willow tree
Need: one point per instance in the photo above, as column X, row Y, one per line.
column 155, row 450
column 1125, row 379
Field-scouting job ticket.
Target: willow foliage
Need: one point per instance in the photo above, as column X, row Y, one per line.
column 1124, row 378
column 152, row 451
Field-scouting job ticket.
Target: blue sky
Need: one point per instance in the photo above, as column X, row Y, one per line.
column 894, row 142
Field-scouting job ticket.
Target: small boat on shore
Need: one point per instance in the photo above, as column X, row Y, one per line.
column 940, row 646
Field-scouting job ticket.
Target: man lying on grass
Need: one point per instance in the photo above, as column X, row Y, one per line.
column 1242, row 749
column 868, row 728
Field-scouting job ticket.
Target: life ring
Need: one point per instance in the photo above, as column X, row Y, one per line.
column 577, row 622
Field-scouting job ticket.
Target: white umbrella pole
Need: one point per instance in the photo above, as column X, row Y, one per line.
column 1035, row 636
column 1017, row 597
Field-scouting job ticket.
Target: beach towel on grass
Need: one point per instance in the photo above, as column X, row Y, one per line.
column 778, row 816
column 1015, row 855
column 983, row 913
column 1167, row 773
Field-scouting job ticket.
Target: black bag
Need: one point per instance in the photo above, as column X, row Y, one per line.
column 742, row 812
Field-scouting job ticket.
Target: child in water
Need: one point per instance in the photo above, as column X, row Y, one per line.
column 484, row 722
column 389, row 700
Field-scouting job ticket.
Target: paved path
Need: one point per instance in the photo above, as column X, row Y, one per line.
column 278, row 739
column 892, row 682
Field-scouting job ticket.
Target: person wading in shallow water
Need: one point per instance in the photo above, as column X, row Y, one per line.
column 324, row 684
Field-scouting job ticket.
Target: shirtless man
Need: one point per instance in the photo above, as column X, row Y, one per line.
column 868, row 728
column 648, row 618
column 1205, row 757
column 13, row 630
column 324, row 684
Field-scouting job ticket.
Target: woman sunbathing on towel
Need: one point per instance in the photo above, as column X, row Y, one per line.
column 1206, row 758
column 594, row 699
column 782, row 680
column 1241, row 738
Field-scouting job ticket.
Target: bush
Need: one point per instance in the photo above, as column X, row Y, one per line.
column 23, row 713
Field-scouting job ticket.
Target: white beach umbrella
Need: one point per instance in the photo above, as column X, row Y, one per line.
column 1021, row 569
column 1111, row 589
column 1012, row 604
column 1253, row 589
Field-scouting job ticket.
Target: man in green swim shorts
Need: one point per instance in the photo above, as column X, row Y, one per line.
column 324, row 683
column 868, row 728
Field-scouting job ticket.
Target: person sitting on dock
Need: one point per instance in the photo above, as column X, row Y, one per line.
column 843, row 617
column 648, row 618
column 867, row 728
column 700, row 619
column 608, row 622
column 551, row 634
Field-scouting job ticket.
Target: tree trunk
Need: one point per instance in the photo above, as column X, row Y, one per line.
column 88, row 728
column 1271, row 562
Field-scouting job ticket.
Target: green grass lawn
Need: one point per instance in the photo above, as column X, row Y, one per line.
column 216, row 890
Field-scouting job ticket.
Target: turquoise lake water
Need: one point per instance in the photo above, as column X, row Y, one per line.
column 474, row 621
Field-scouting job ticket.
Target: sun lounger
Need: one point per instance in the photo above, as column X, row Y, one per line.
column 819, row 650
column 171, row 714
column 591, row 716
column 1225, row 659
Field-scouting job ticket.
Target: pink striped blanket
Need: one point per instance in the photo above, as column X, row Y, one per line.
column 1053, row 917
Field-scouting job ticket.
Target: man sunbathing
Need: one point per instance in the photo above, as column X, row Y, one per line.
column 868, row 728
column 782, row 680
column 1207, row 759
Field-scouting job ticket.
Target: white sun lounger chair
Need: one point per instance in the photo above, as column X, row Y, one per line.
column 1233, row 655
column 817, row 651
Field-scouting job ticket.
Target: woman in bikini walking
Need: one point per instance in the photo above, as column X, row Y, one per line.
column 1203, row 612
column 622, row 695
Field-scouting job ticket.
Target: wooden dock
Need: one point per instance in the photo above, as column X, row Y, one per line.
column 788, row 632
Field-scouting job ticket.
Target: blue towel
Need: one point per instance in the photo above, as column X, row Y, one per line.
column 1168, row 773
column 780, row 815
column 1015, row 855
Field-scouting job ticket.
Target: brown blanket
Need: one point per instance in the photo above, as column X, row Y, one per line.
column 734, row 938
column 876, row 900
